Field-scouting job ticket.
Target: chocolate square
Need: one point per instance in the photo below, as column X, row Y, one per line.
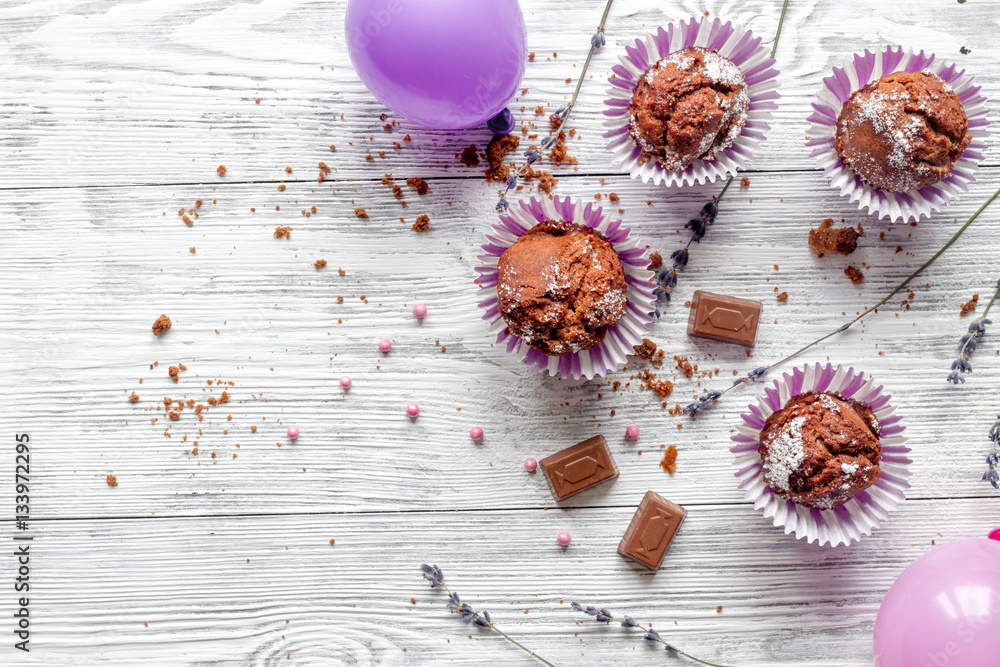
column 726, row 319
column 652, row 530
column 579, row 467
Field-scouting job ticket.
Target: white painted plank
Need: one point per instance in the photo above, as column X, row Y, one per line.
column 83, row 271
column 784, row 603
column 164, row 91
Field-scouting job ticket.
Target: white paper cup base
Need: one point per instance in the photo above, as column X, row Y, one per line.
column 742, row 48
column 621, row 339
column 863, row 513
column 822, row 134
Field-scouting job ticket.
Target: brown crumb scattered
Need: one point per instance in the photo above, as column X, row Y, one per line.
column 161, row 324
column 655, row 261
column 282, row 232
column 684, row 366
column 319, row 263
column 531, row 56
column 969, row 305
column 418, row 184
column 470, row 158
column 221, row 171
column 826, row 239
column 546, row 181
column 651, row 382
column 669, row 460
column 332, row 541
column 361, row 213
column 192, row 249
column 112, row 480
column 899, row 249
column 422, row 224
column 718, row 610
column 745, row 182
column 782, row 297
column 854, row 274
column 173, row 372
column 559, row 154
column 133, row 398
column 496, row 152
column 646, row 350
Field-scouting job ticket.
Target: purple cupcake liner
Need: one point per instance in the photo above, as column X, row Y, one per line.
column 864, row 512
column 621, row 339
column 837, row 89
column 739, row 46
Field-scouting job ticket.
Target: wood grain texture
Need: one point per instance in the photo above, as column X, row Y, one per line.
column 115, row 115
column 241, row 590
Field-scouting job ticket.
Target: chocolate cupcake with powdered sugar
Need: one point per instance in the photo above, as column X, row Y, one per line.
column 903, row 132
column 688, row 106
column 821, row 450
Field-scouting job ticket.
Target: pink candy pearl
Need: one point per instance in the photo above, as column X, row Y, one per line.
column 293, row 432
column 476, row 433
column 420, row 311
column 345, row 382
column 995, row 535
column 632, row 433
column 413, row 409
column 385, row 345
column 530, row 464
column 563, row 539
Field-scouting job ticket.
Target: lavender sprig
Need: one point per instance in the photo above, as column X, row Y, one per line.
column 666, row 279
column 480, row 619
column 702, row 405
column 531, row 156
column 970, row 341
column 651, row 635
column 993, row 458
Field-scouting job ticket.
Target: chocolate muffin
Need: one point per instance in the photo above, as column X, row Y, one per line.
column 821, row 450
column 561, row 288
column 689, row 106
column 902, row 132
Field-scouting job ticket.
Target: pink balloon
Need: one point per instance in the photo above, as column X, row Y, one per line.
column 944, row 610
column 448, row 64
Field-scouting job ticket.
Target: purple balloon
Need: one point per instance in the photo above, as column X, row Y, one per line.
column 448, row 64
column 944, row 610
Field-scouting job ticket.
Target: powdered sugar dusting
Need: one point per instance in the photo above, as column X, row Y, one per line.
column 785, row 453
column 719, row 71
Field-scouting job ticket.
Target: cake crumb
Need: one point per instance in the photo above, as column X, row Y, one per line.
column 112, row 480
column 319, row 263
column 669, row 460
column 782, row 297
column 161, row 324
column 221, row 171
column 283, row 232
column 854, row 274
column 655, row 261
column 684, row 366
column 422, row 224
column 496, row 152
column 418, row 184
column 470, row 158
column 745, row 182
column 361, row 213
column 825, row 239
column 133, row 398
column 969, row 305
column 192, row 250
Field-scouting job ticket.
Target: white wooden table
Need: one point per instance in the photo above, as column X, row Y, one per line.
column 113, row 115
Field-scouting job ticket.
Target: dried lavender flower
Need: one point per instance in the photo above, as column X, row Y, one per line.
column 649, row 634
column 481, row 619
